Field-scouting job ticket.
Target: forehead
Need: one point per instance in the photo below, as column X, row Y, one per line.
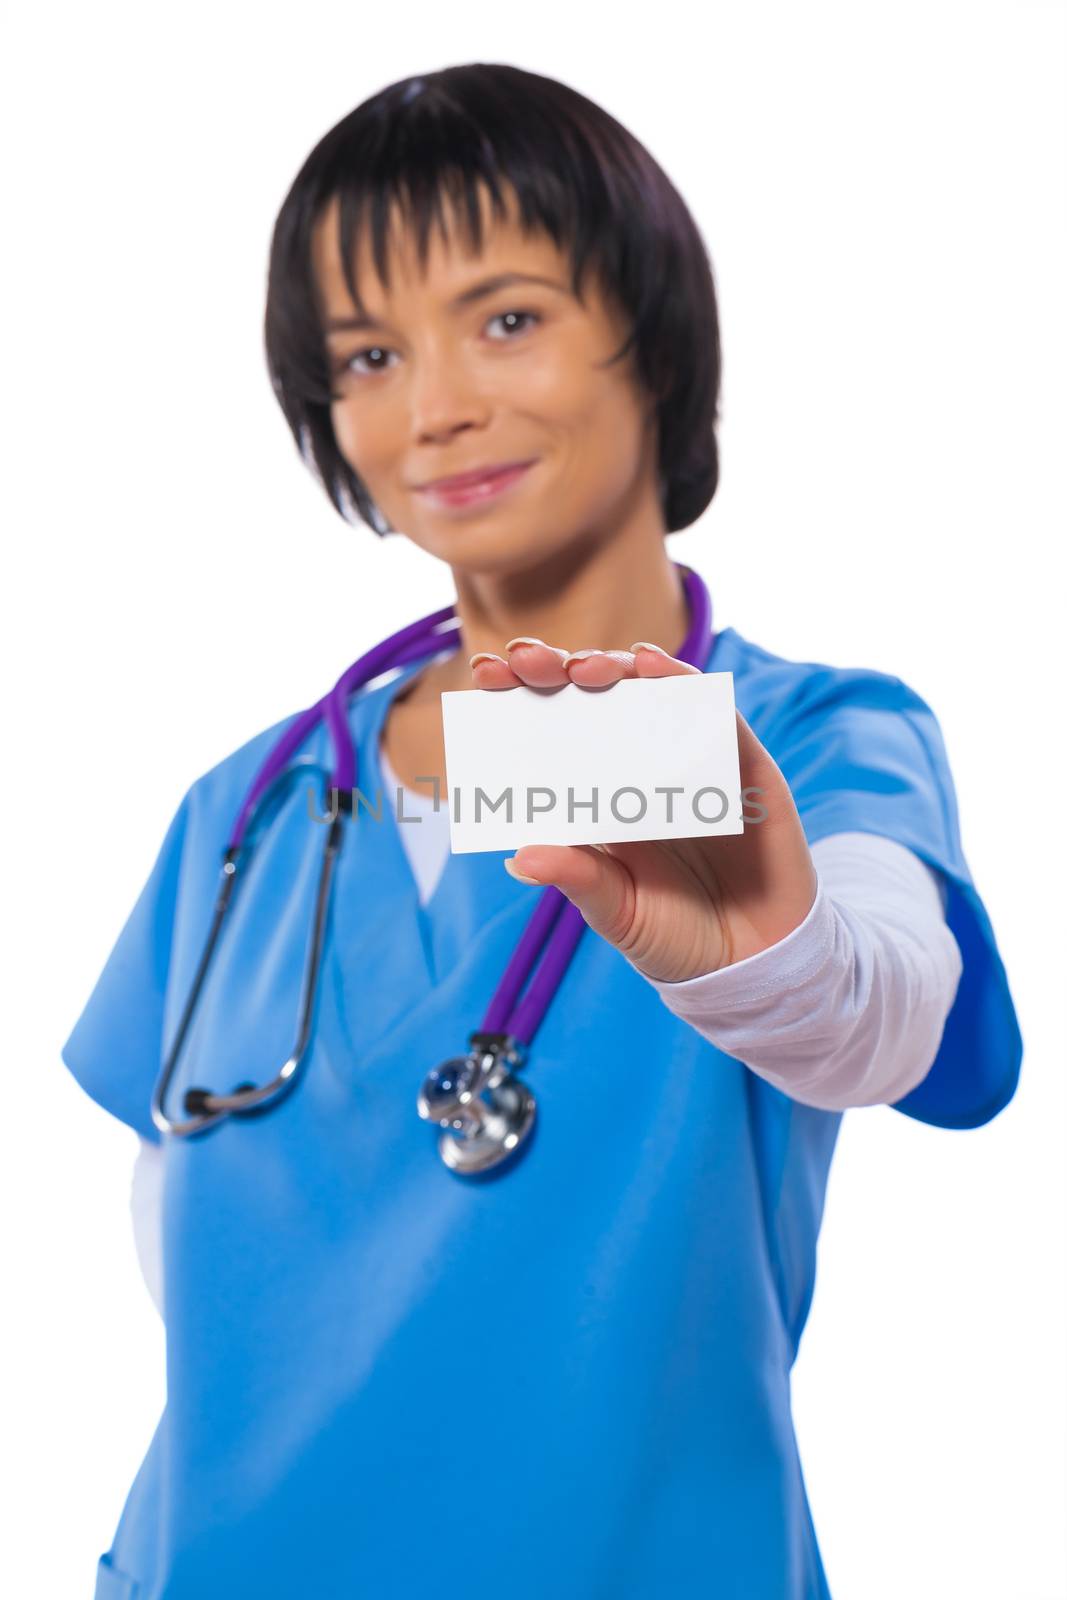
column 450, row 254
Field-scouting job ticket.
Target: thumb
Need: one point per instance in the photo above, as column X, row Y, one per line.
column 591, row 878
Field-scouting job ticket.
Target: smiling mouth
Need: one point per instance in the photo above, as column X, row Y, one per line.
column 478, row 490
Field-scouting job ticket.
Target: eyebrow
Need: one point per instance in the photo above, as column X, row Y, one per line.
column 477, row 291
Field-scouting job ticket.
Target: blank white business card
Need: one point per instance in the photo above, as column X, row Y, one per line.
column 646, row 758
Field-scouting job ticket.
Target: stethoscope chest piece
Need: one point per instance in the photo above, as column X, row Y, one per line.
column 485, row 1112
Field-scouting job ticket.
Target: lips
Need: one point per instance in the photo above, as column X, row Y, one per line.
column 485, row 486
column 467, row 480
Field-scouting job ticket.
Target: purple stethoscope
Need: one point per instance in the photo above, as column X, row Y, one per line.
column 485, row 1111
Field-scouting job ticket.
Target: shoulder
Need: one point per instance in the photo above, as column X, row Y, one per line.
column 217, row 791
column 221, row 787
column 780, row 697
column 859, row 748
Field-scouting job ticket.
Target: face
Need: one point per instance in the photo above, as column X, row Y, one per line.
column 455, row 374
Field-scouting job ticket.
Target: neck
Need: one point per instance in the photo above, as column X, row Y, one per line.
column 605, row 598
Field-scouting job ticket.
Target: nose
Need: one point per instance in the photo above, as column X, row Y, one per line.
column 444, row 397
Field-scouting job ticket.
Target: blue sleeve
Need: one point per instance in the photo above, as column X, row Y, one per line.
column 861, row 751
column 115, row 1048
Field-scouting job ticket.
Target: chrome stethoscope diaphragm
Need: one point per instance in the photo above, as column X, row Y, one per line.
column 485, row 1111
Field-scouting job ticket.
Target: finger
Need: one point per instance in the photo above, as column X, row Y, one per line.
column 543, row 666
column 761, row 774
column 491, row 671
column 652, row 661
column 596, row 669
column 597, row 883
column 537, row 664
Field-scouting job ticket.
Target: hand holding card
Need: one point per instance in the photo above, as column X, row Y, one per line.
column 675, row 907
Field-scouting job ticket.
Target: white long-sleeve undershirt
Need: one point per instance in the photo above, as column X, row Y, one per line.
column 849, row 1008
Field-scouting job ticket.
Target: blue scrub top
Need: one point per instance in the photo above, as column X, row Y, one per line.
column 573, row 1380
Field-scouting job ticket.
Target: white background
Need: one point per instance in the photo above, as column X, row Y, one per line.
column 881, row 188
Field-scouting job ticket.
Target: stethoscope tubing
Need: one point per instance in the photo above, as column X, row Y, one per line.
column 547, row 943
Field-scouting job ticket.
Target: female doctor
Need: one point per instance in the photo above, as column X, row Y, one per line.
column 568, row 1375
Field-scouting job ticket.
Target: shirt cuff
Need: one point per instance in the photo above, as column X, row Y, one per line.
column 787, row 965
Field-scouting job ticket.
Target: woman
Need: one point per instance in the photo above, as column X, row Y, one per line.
column 386, row 1378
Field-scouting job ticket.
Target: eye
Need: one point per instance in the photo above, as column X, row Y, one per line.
column 376, row 356
column 348, row 364
column 530, row 316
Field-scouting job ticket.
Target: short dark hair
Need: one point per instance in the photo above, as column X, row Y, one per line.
column 578, row 175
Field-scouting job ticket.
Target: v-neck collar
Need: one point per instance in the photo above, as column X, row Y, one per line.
column 377, row 910
column 374, row 786
column 471, row 888
column 429, row 850
column 492, row 888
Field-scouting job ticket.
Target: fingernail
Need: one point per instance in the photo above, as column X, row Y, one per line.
column 643, row 644
column 509, row 865
column 485, row 655
column 580, row 655
column 522, row 639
